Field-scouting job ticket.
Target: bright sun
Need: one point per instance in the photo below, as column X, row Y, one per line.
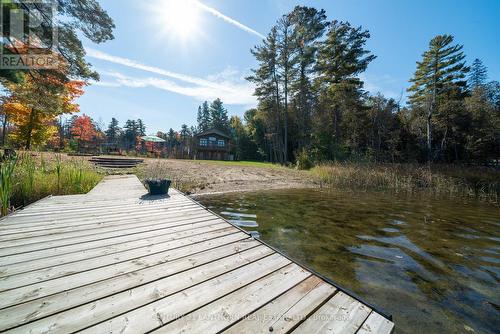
column 179, row 18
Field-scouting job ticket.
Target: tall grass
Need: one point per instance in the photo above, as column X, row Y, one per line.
column 58, row 169
column 6, row 183
column 449, row 180
column 35, row 177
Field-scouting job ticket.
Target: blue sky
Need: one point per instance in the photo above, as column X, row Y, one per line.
column 162, row 65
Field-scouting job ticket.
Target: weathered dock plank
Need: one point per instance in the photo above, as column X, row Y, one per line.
column 115, row 260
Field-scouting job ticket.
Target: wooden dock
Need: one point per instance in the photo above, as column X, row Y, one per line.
column 117, row 261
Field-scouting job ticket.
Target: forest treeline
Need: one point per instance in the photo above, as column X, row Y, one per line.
column 311, row 100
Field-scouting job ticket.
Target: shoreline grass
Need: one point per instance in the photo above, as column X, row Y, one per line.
column 36, row 177
column 442, row 180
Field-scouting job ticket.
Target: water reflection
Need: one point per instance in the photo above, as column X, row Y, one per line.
column 433, row 264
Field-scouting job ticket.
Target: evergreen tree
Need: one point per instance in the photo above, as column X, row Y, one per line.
column 382, row 132
column 184, row 131
column 141, row 128
column 113, row 131
column 308, row 24
column 130, row 133
column 203, row 118
column 286, row 43
column 268, row 92
column 238, row 137
column 218, row 116
column 185, row 135
column 493, row 94
column 341, row 58
column 441, row 70
column 478, row 74
column 171, row 134
column 199, row 118
column 171, row 138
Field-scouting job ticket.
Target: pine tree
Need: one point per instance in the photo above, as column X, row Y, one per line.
column 130, row 133
column 203, row 117
column 113, row 131
column 308, row 24
column 141, row 128
column 268, row 92
column 218, row 116
column 287, row 46
column 171, row 138
column 341, row 58
column 184, row 131
column 185, row 135
column 478, row 74
column 199, row 118
column 441, row 70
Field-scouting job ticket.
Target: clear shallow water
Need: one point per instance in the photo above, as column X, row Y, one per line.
column 433, row 264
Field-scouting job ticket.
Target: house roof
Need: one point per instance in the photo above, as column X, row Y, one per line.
column 213, row 131
column 153, row 139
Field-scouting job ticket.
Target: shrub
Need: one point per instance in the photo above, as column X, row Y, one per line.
column 304, row 160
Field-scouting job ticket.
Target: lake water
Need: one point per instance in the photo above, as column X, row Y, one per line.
column 433, row 264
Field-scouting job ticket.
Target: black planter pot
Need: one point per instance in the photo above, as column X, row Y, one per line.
column 158, row 187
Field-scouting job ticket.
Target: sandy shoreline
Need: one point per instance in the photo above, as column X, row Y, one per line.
column 199, row 178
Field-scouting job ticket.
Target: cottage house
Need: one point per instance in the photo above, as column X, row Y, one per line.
column 213, row 144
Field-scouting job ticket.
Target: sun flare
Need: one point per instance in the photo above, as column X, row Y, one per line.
column 179, row 18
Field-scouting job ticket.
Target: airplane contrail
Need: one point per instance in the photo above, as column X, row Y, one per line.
column 229, row 20
column 93, row 53
column 231, row 91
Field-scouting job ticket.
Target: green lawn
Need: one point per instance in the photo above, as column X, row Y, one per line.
column 241, row 163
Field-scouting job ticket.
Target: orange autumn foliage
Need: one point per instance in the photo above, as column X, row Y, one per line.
column 83, row 129
column 35, row 105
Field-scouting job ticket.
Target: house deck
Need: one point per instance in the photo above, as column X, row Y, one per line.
column 117, row 261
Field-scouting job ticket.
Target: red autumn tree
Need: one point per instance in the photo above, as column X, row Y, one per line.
column 83, row 129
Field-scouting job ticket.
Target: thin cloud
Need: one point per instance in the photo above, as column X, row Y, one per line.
column 240, row 94
column 227, row 85
column 228, row 19
column 93, row 53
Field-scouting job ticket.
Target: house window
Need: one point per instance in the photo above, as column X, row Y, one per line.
column 212, row 139
column 221, row 143
column 203, row 142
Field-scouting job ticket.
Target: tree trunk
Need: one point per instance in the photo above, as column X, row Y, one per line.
column 432, row 107
column 429, row 136
column 30, row 129
column 285, row 74
column 285, row 149
column 443, row 142
column 61, row 133
column 278, row 116
column 303, row 126
column 336, row 115
column 4, row 128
